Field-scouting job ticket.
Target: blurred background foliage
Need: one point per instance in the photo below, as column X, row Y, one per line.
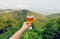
column 44, row 27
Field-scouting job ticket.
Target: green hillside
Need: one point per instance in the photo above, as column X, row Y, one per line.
column 57, row 15
column 11, row 20
column 44, row 27
column 37, row 16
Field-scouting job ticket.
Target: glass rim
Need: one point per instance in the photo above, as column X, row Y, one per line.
column 29, row 16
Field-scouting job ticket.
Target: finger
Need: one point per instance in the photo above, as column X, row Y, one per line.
column 29, row 24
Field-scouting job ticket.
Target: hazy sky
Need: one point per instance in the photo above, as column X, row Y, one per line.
column 43, row 6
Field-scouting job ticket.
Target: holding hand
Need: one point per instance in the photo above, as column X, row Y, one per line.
column 18, row 34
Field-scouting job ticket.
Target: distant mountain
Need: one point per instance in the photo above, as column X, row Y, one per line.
column 38, row 18
column 57, row 15
column 22, row 14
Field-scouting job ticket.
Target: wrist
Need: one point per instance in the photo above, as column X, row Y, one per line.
column 23, row 28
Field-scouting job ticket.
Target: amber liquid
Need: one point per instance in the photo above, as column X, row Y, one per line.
column 29, row 20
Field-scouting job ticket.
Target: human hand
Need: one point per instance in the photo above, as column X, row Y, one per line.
column 18, row 34
column 26, row 25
